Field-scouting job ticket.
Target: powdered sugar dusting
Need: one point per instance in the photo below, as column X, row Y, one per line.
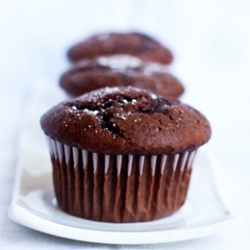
column 103, row 37
column 96, row 95
column 109, row 90
column 92, row 112
column 153, row 96
column 119, row 62
column 155, row 67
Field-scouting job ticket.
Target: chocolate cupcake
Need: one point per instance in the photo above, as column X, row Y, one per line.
column 123, row 154
column 120, row 70
column 132, row 43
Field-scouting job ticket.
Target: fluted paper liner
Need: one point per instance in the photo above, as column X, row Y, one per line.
column 119, row 188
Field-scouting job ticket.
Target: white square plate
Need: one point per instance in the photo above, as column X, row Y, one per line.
column 34, row 203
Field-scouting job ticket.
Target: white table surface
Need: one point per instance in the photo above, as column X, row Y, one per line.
column 210, row 40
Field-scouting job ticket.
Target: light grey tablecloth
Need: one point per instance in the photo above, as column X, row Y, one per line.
column 210, row 40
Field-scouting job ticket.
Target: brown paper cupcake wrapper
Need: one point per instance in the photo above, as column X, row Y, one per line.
column 119, row 188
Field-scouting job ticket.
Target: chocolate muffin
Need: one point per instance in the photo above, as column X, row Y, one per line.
column 132, row 43
column 120, row 70
column 123, row 154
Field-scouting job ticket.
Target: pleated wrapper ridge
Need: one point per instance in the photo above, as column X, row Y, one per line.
column 119, row 188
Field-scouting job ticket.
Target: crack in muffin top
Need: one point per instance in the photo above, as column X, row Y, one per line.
column 126, row 120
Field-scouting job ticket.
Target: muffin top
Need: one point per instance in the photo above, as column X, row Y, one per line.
column 126, row 120
column 132, row 43
column 119, row 70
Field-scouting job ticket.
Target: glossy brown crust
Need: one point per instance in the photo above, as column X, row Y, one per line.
column 126, row 121
column 89, row 75
column 132, row 43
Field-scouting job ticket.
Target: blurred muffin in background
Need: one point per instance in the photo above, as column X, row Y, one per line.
column 137, row 44
column 120, row 70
